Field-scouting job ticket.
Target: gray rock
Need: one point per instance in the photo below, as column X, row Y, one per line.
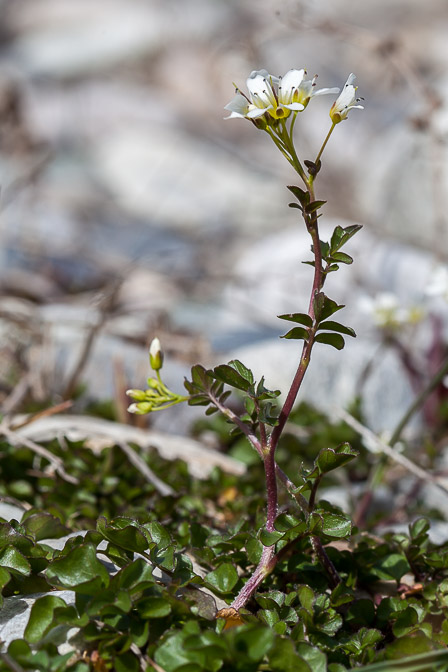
column 270, row 280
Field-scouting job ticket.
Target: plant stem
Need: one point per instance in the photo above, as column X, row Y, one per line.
column 292, row 395
column 325, row 143
column 253, row 439
column 264, row 567
column 271, row 490
column 312, row 227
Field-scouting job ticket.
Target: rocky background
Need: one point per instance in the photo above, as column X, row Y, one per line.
column 130, row 209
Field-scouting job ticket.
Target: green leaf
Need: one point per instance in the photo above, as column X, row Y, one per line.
column 41, row 617
column 302, row 196
column 5, row 578
column 336, row 326
column 254, row 549
column 283, row 657
column 313, row 206
column 154, row 607
column 79, row 570
column 316, row 659
column 392, row 566
column 324, row 307
column 306, row 597
column 13, row 537
column 126, row 662
column 124, row 533
column 223, row 578
column 271, row 600
column 171, row 654
column 228, row 375
column 341, row 258
column 43, row 525
column 135, row 577
column 419, row 527
column 242, row 370
column 335, row 340
column 341, row 236
column 269, row 538
column 406, row 622
column 300, row 318
column 251, row 641
column 333, row 458
column 297, row 333
column 159, row 534
column 14, row 561
column 334, row 525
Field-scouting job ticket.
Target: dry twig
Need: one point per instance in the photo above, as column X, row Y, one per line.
column 56, row 462
column 371, row 439
column 135, row 459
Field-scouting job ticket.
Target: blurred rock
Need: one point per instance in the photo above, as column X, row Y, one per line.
column 59, row 38
column 334, row 378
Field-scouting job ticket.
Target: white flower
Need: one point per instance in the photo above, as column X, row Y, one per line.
column 277, row 96
column 438, row 285
column 346, row 101
column 306, row 90
column 155, row 355
column 386, row 312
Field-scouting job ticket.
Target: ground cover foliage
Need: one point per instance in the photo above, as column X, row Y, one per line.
column 389, row 610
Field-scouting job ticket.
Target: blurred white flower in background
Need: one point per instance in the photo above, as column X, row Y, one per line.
column 387, row 313
column 438, row 285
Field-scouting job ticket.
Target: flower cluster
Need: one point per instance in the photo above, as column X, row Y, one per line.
column 387, row 313
column 157, row 396
column 273, row 98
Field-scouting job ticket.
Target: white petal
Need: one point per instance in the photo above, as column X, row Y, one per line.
column 260, row 90
column 296, row 107
column 350, row 79
column 265, row 74
column 323, row 92
column 346, row 98
column 292, row 80
column 257, row 111
column 238, row 106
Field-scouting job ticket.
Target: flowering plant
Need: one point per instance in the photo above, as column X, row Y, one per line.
column 273, row 105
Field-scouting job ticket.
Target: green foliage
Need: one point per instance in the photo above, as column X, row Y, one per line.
column 294, row 622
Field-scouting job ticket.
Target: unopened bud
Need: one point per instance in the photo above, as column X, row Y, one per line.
column 138, row 395
column 141, row 408
column 155, row 355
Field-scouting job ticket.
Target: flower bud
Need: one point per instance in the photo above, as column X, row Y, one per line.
column 155, row 355
column 141, row 408
column 138, row 395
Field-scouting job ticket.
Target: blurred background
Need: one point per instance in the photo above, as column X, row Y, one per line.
column 130, row 209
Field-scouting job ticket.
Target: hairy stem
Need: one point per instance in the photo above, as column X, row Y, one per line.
column 267, row 563
column 271, row 490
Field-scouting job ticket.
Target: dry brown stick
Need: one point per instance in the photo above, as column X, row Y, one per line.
column 105, row 306
column 15, row 397
column 135, row 459
column 55, row 461
column 371, row 438
column 58, row 408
